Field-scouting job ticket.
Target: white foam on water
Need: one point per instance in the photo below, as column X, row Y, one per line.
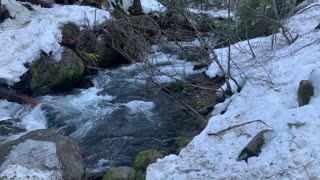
column 140, row 106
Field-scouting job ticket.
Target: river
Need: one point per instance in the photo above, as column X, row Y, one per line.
column 123, row 114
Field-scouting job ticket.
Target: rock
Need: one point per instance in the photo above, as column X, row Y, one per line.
column 254, row 146
column 200, row 66
column 49, row 75
column 120, row 173
column 11, row 126
column 305, row 91
column 317, row 27
column 41, row 154
column 10, row 95
column 4, row 13
column 144, row 158
column 110, row 57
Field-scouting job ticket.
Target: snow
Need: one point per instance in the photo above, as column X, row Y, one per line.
column 212, row 13
column 152, row 6
column 32, row 160
column 269, row 93
column 314, row 78
column 148, row 6
column 30, row 32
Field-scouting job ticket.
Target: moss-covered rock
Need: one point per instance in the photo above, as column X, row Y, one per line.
column 110, row 57
column 70, row 33
column 182, row 143
column 205, row 106
column 120, row 173
column 144, row 158
column 49, row 75
column 174, row 87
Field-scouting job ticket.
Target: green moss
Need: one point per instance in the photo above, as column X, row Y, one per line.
column 110, row 57
column 174, row 87
column 182, row 143
column 48, row 74
column 144, row 158
column 202, row 106
column 120, row 173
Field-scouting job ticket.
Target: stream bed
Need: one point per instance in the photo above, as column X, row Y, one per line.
column 123, row 114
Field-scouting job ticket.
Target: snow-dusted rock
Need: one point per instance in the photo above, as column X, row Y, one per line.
column 42, row 154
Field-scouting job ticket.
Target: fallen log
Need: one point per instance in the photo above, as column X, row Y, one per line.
column 11, row 96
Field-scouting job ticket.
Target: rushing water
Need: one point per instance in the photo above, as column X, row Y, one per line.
column 123, row 114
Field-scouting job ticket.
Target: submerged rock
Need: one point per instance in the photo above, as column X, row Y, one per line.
column 11, row 126
column 41, row 154
column 305, row 91
column 144, row 158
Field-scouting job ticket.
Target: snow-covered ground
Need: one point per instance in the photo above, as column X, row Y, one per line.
column 269, row 94
column 30, row 32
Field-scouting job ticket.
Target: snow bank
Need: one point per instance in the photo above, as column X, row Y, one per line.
column 269, row 94
column 30, row 32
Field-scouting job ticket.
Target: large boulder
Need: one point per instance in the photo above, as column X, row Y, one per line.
column 41, row 154
column 49, row 75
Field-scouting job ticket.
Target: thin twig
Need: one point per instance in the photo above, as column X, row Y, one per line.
column 233, row 126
